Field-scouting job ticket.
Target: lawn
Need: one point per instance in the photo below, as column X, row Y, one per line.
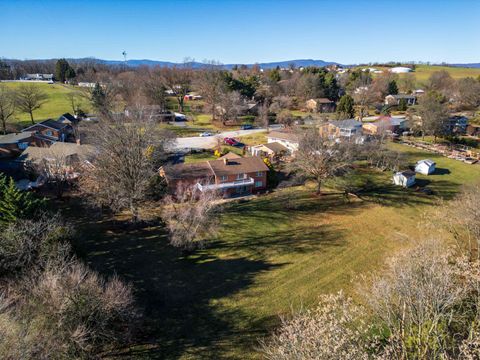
column 56, row 105
column 274, row 253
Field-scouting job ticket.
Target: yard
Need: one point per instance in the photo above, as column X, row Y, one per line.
column 56, row 105
column 274, row 253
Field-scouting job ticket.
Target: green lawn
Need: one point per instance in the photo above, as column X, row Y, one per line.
column 274, row 253
column 56, row 105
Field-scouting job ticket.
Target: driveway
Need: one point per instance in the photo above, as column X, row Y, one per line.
column 209, row 142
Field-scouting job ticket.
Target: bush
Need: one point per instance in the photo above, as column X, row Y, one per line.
column 64, row 313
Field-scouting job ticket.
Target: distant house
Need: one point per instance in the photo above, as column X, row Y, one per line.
column 473, row 130
column 395, row 99
column 11, row 145
column 341, row 128
column 271, row 150
column 400, row 70
column 286, row 138
column 385, row 124
column 231, row 176
column 86, row 84
column 404, row 178
column 68, row 119
column 425, row 167
column 50, row 130
column 180, row 117
column 418, row 92
column 321, row 105
column 152, row 112
column 39, row 77
column 457, row 124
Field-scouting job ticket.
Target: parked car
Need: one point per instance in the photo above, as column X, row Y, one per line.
column 230, row 141
column 246, row 127
column 206, row 133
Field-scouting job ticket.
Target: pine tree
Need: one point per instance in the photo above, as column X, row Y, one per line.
column 392, row 88
column 15, row 204
column 346, row 109
column 98, row 98
column 402, row 105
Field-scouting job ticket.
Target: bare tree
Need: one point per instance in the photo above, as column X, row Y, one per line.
column 335, row 329
column 442, row 82
column 230, row 105
column 154, row 89
column 319, row 158
column 433, row 116
column 7, row 106
column 210, row 82
column 30, row 97
column 192, row 216
column 129, row 153
column 469, row 93
column 407, row 83
column 178, row 81
column 67, row 311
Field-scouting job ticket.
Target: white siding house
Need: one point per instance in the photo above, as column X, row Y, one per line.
column 404, row 178
column 425, row 167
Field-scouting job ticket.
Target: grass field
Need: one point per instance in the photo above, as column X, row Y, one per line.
column 274, row 253
column 56, row 105
column 423, row 72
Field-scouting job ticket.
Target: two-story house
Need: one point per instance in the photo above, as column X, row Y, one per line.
column 341, row 128
column 50, row 130
column 229, row 175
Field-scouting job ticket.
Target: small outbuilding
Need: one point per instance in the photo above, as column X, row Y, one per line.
column 425, row 167
column 404, row 178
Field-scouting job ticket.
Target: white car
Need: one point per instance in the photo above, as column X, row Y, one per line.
column 206, row 133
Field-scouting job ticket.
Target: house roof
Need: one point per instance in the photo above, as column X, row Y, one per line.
column 406, row 173
column 237, row 166
column 50, row 123
column 15, row 137
column 188, row 171
column 35, row 154
column 403, row 96
column 275, row 147
column 283, row 135
column 67, row 116
column 427, row 162
column 230, row 155
column 346, row 124
column 322, row 101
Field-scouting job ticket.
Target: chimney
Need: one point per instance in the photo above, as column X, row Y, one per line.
column 225, row 161
column 78, row 141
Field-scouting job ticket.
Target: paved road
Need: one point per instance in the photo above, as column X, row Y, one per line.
column 209, row 142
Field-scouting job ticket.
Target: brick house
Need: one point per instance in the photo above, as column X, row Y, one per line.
column 321, row 105
column 232, row 176
column 51, row 130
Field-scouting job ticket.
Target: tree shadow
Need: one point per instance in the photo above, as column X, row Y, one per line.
column 441, row 171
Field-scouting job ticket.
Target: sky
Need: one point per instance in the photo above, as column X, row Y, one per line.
column 248, row 31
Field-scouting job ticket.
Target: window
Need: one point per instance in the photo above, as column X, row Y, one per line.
column 241, row 176
column 258, row 184
column 259, row 173
column 22, row 145
column 223, row 178
column 49, row 133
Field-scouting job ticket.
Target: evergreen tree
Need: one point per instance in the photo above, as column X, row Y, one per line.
column 98, row 98
column 402, row 105
column 63, row 70
column 274, row 75
column 345, row 108
column 392, row 88
column 15, row 204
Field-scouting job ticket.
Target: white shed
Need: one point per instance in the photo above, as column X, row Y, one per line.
column 404, row 178
column 425, row 167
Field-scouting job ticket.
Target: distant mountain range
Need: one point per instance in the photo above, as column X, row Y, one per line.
column 267, row 65
column 471, row 65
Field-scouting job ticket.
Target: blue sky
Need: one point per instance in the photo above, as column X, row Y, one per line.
column 233, row 31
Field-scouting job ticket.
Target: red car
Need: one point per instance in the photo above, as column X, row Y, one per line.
column 230, row 141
